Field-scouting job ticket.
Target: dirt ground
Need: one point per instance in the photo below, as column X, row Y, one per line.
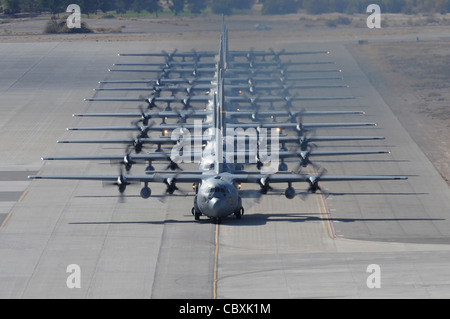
column 412, row 76
column 168, row 28
column 414, row 80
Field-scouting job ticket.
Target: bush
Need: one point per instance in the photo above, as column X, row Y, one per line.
column 60, row 26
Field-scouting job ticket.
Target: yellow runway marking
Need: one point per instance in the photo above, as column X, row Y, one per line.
column 325, row 217
column 8, row 218
column 24, row 195
column 326, row 222
column 6, row 221
column 216, row 262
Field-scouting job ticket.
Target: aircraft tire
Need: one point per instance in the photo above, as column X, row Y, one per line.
column 239, row 213
column 195, row 213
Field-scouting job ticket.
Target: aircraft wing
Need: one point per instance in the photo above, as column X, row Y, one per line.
column 304, row 154
column 174, row 54
column 138, row 128
column 149, row 178
column 237, row 178
column 128, row 158
column 167, row 70
column 295, row 125
column 256, row 99
column 162, row 81
column 293, row 178
column 249, row 54
column 151, row 140
column 152, row 99
column 291, row 114
column 171, row 114
column 175, row 87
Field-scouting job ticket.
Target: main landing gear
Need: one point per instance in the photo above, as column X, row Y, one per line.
column 217, row 220
column 239, row 213
column 196, row 213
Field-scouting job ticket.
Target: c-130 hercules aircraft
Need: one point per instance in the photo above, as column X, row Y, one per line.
column 218, row 180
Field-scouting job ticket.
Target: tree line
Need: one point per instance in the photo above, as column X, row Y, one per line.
column 227, row 6
column 355, row 6
column 92, row 6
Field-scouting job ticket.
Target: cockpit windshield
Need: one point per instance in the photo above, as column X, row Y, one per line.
column 216, row 192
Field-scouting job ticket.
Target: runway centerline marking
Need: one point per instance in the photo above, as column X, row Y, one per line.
column 216, row 262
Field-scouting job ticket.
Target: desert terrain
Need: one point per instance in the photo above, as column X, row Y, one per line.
column 414, row 80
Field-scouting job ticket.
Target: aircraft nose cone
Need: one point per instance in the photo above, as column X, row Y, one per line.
column 217, row 206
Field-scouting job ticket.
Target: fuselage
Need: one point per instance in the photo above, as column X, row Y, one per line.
column 217, row 197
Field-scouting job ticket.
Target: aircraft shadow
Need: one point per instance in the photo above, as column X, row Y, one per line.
column 262, row 219
column 258, row 220
column 372, row 194
column 159, row 222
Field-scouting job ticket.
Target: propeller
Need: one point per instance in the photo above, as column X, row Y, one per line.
column 183, row 116
column 138, row 145
column 173, row 166
column 305, row 160
column 151, row 100
column 171, row 188
column 121, row 183
column 305, row 145
column 276, row 55
column 264, row 184
column 169, row 57
column 143, row 130
column 127, row 160
column 186, row 103
column 314, row 184
column 145, row 117
column 298, row 118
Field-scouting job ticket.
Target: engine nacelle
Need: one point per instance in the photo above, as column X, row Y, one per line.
column 283, row 167
column 289, row 193
column 146, row 192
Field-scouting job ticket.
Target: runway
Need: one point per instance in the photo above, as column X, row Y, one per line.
column 314, row 248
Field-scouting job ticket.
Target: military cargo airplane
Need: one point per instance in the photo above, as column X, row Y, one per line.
column 217, row 181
